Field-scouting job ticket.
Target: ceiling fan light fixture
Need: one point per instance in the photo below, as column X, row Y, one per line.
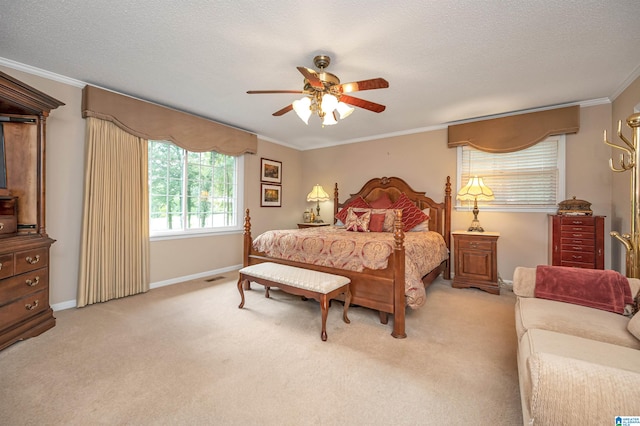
column 344, row 110
column 329, row 119
column 329, row 103
column 302, row 107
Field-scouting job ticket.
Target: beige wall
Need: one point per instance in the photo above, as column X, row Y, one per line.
column 623, row 107
column 422, row 159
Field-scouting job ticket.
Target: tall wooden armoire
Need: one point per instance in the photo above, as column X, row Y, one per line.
column 24, row 244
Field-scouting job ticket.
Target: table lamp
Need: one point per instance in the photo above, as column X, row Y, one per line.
column 318, row 194
column 475, row 190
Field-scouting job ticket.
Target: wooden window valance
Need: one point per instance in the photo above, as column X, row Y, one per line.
column 151, row 121
column 516, row 132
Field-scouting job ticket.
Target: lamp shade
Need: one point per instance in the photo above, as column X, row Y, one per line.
column 302, row 107
column 317, row 194
column 475, row 189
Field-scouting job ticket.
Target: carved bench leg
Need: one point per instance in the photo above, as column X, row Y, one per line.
column 324, row 306
column 347, row 302
column 241, row 282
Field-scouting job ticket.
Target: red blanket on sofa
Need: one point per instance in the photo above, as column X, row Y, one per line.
column 601, row 289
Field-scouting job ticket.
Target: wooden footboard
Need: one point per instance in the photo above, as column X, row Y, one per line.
column 379, row 289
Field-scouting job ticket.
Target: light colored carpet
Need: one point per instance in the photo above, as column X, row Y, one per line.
column 185, row 354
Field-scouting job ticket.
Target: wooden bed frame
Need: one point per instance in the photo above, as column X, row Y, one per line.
column 380, row 289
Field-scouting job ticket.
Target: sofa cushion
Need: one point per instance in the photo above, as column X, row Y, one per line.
column 576, row 320
column 557, row 371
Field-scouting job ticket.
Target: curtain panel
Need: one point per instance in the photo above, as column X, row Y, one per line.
column 151, row 121
column 114, row 258
column 516, row 132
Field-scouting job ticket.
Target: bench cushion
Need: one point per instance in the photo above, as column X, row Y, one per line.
column 320, row 282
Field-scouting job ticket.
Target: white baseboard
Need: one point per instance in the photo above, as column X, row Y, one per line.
column 72, row 303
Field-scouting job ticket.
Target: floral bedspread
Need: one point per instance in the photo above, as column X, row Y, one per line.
column 337, row 248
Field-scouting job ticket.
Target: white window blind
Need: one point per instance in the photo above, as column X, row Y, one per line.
column 531, row 179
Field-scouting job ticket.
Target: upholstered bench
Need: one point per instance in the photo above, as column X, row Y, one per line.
column 320, row 286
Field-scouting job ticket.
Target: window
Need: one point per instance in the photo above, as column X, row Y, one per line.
column 529, row 180
column 193, row 192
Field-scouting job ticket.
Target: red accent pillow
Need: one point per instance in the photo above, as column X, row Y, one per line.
column 411, row 215
column 358, row 202
column 376, row 224
column 382, row 202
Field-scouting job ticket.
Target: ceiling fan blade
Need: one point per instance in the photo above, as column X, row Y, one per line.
column 283, row 110
column 311, row 77
column 361, row 103
column 374, row 83
column 262, row 92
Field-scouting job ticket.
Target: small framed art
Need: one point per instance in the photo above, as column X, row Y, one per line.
column 270, row 195
column 270, row 171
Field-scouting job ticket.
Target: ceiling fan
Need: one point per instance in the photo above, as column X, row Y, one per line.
column 324, row 94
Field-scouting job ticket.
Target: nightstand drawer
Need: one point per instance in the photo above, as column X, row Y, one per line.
column 464, row 243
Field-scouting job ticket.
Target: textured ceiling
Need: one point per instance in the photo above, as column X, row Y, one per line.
column 445, row 60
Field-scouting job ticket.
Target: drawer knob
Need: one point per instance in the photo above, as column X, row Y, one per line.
column 31, row 306
column 33, row 260
column 34, row 282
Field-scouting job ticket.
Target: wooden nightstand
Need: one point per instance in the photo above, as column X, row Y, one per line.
column 476, row 260
column 312, row 225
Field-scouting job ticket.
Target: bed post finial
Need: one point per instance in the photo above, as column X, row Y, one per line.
column 247, row 223
column 398, row 233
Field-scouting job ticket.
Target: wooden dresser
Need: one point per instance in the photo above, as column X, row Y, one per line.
column 24, row 244
column 576, row 241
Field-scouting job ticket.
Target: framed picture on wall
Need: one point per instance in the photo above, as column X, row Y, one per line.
column 270, row 171
column 270, row 195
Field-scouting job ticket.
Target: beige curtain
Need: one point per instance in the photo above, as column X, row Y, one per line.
column 516, row 132
column 115, row 231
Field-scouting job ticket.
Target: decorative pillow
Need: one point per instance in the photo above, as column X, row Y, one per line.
column 358, row 202
column 382, row 202
column 381, row 219
column 358, row 222
column 423, row 226
column 411, row 215
column 634, row 326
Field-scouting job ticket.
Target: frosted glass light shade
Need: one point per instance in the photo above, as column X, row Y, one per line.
column 302, row 107
column 344, row 110
column 329, row 103
column 329, row 119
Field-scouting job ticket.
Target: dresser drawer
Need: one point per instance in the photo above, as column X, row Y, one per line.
column 24, row 308
column 30, row 260
column 6, row 265
column 23, row 284
column 578, row 248
column 579, row 235
column 580, row 221
column 8, row 225
column 577, row 242
column 578, row 257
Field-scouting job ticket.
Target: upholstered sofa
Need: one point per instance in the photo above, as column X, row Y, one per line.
column 577, row 365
